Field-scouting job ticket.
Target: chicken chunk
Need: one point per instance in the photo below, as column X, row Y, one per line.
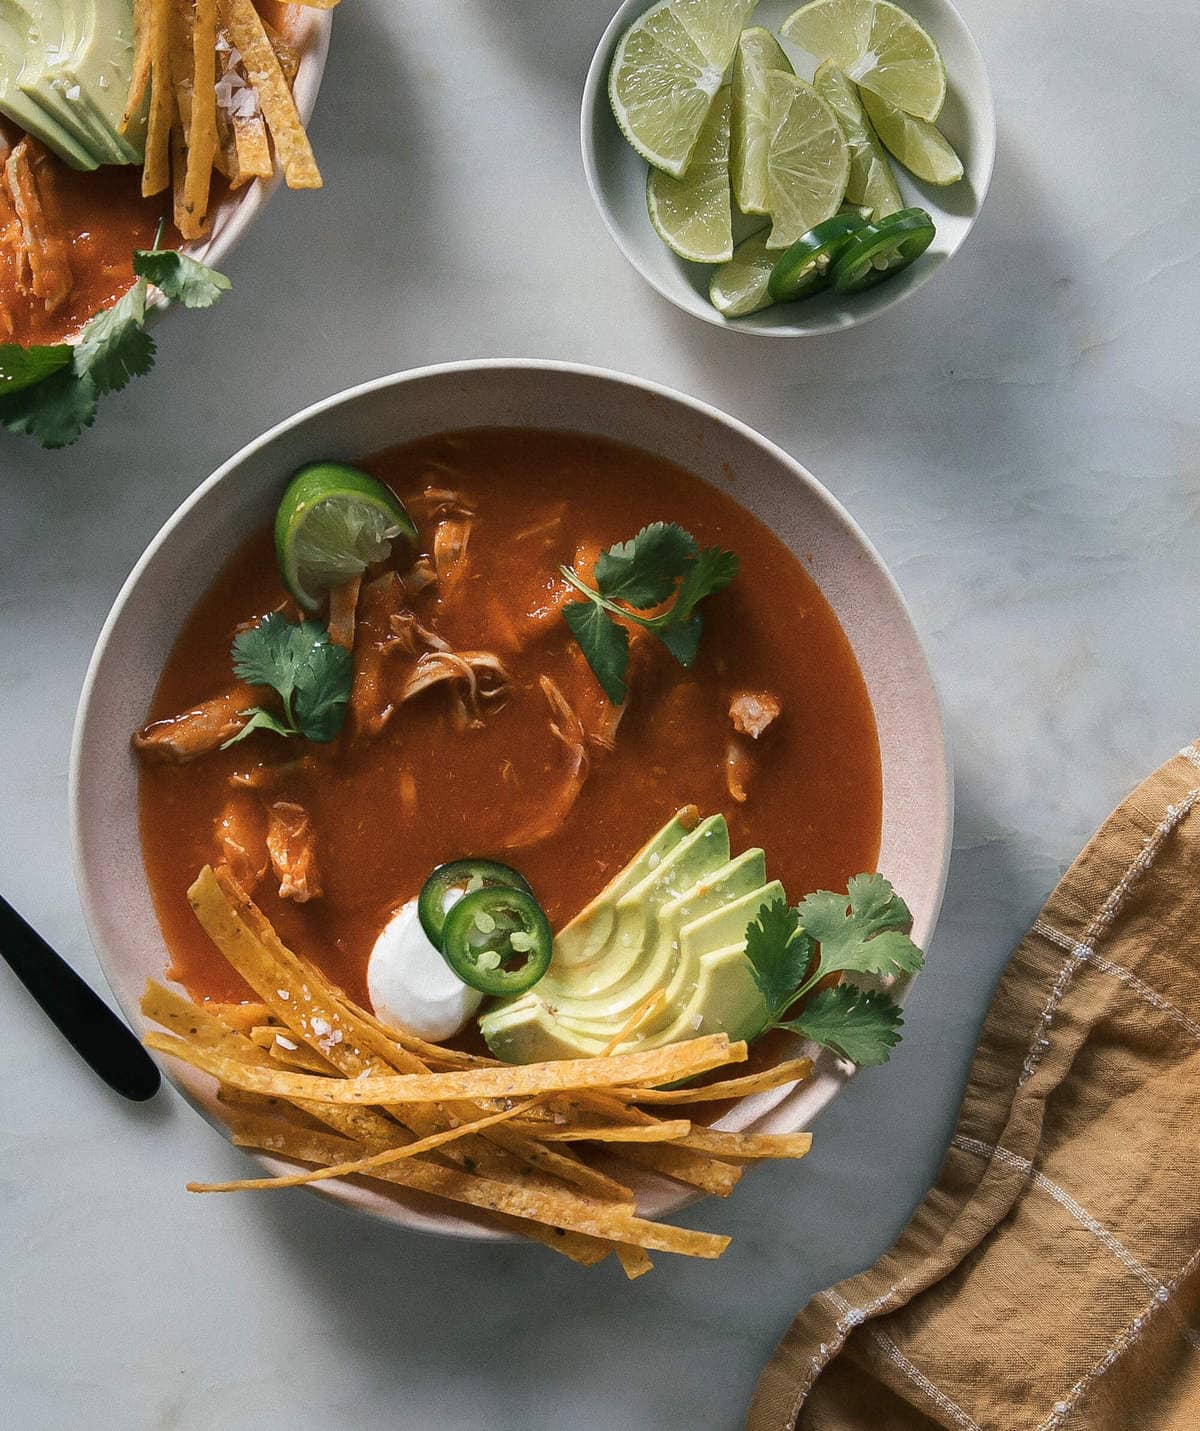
column 291, row 843
column 195, row 732
column 753, row 711
column 241, row 832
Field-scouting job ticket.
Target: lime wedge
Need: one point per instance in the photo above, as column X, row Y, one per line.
column 880, row 46
column 692, row 215
column 758, row 53
column 332, row 523
column 740, row 286
column 667, row 68
column 922, row 149
column 871, row 183
column 808, row 159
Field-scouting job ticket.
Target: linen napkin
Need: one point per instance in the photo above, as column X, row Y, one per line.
column 1051, row 1278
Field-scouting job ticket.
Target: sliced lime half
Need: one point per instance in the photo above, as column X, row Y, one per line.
column 332, row 523
column 666, row 71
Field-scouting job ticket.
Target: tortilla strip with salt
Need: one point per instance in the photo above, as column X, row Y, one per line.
column 566, row 1210
column 140, row 73
column 262, row 69
column 795, row 1070
column 671, row 1132
column 666, row 1064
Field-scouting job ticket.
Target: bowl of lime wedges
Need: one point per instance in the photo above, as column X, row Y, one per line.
column 783, row 169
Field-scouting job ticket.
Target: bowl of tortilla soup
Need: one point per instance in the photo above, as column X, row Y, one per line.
column 512, row 798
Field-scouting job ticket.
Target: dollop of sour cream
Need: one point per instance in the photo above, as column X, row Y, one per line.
column 412, row 988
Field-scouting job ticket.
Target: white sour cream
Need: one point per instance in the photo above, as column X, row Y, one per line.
column 412, row 988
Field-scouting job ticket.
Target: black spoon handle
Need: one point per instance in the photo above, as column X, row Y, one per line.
column 80, row 1015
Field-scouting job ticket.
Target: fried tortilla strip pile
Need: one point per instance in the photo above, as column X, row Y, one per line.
column 216, row 83
column 309, row 1076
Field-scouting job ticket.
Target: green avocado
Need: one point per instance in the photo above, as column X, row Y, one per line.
column 17, row 41
column 674, row 919
column 65, row 67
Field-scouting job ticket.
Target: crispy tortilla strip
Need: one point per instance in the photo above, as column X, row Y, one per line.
column 553, row 1166
column 665, row 1064
column 202, row 129
column 747, row 1145
column 316, row 4
column 156, row 168
column 140, row 78
column 611, row 1133
column 300, row 1058
column 360, row 1165
column 262, row 69
column 682, row 1165
column 565, row 1210
column 287, row 54
column 425, row 1051
column 795, row 1070
column 634, row 1261
column 252, row 149
column 242, row 1017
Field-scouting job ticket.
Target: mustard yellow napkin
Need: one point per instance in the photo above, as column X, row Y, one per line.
column 1051, row 1278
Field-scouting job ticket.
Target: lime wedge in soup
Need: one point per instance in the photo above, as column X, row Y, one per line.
column 333, row 522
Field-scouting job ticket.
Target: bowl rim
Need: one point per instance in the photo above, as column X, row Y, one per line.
column 595, row 96
column 830, row 1075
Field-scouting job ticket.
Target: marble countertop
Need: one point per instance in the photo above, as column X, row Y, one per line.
column 1020, row 441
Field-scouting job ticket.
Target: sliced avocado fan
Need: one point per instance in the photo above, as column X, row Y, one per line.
column 675, row 919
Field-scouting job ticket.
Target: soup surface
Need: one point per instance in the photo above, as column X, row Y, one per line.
column 387, row 804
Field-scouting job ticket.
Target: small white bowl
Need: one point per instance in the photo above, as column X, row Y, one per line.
column 183, row 558
column 616, row 175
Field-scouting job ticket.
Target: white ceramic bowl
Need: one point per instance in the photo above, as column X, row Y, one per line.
column 308, row 31
column 181, row 562
column 616, row 176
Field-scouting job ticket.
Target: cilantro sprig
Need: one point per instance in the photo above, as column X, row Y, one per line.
column 51, row 390
column 635, row 576
column 864, row 931
column 311, row 676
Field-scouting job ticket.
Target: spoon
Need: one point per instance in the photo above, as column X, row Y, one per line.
column 81, row 1016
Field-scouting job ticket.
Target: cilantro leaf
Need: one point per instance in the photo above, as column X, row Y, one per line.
column 323, row 690
column 114, row 346
column 604, row 642
column 260, row 719
column 311, row 676
column 683, row 641
column 179, row 277
column 634, row 576
column 712, row 571
column 22, row 367
column 869, row 938
column 858, row 1024
column 55, row 410
column 644, row 571
column 50, row 391
column 780, row 953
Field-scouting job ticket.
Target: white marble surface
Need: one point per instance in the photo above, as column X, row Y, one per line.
column 1021, row 443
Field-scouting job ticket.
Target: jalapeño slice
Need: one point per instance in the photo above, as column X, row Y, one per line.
column 806, row 267
column 498, row 940
column 457, row 878
column 882, row 250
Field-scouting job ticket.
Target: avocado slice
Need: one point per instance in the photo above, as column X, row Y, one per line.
column 726, row 999
column 586, row 935
column 17, row 41
column 675, row 920
column 667, row 963
column 55, row 28
column 93, row 70
column 700, row 853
